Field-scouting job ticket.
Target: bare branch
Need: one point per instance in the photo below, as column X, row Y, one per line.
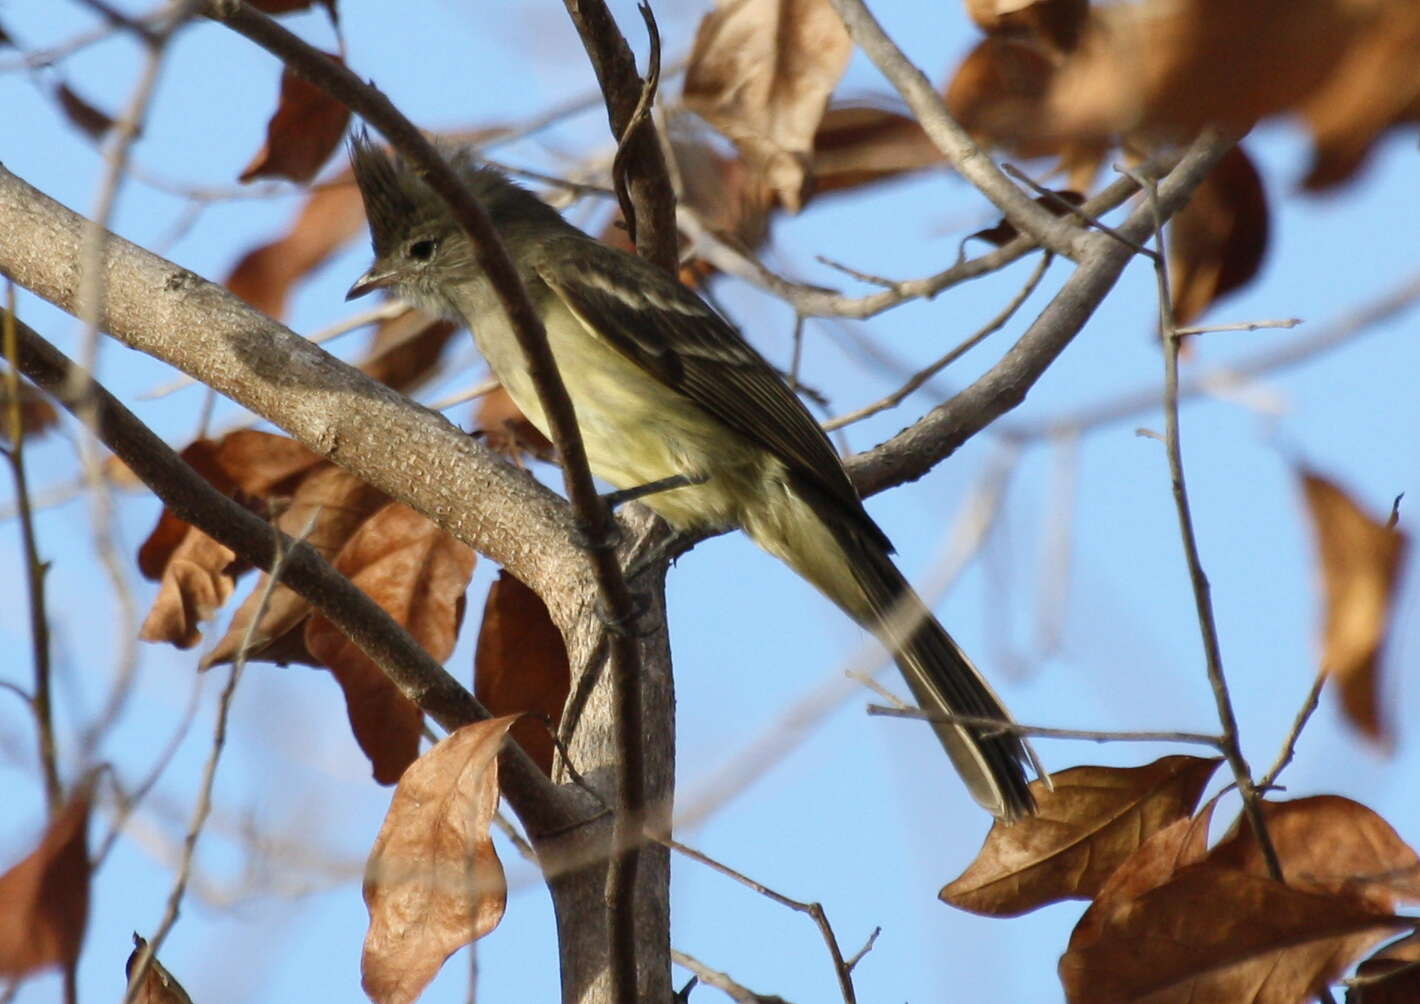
column 1047, row 732
column 970, row 161
column 976, row 338
column 842, row 969
column 424, row 681
column 1202, row 591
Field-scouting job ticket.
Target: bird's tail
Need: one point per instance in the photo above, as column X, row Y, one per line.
column 943, row 680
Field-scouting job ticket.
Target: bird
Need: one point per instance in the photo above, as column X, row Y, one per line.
column 666, row 390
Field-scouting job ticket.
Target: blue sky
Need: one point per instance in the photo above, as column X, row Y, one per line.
column 863, row 814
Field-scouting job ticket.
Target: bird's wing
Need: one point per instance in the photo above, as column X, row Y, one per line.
column 679, row 339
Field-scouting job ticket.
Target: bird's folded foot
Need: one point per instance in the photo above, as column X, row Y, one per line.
column 628, row 626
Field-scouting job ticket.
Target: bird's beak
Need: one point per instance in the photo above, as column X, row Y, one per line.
column 376, row 278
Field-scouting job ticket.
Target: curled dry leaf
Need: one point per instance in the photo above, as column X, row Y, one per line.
column 998, row 95
column 327, row 507
column 158, row 986
column 1218, row 240
column 196, row 573
column 44, row 899
column 1391, row 976
column 418, row 574
column 521, row 666
column 433, row 882
column 1172, row 67
column 36, row 414
column 761, row 72
column 860, row 143
column 1330, row 844
column 302, row 134
column 1094, row 819
column 265, row 275
column 1218, row 934
column 1360, row 566
column 196, row 582
column 84, row 116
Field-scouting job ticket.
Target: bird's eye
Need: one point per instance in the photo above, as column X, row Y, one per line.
column 423, row 250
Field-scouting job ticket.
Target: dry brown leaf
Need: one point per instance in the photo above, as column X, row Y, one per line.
column 44, row 899
column 520, row 665
column 1182, row 843
column 1172, row 67
column 196, row 573
column 83, row 115
column 1083, row 830
column 418, row 574
column 158, row 986
column 998, row 95
column 303, row 132
column 1391, row 976
column 1217, row 241
column 246, row 463
column 503, row 427
column 405, row 350
column 1374, row 88
column 1360, row 565
column 331, row 216
column 197, row 580
column 433, row 882
column 1218, row 934
column 857, row 144
column 327, row 507
column 1058, row 22
column 37, row 415
column 761, row 72
column 1330, row 844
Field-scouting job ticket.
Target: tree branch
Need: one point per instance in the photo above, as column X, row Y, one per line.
column 542, row 807
column 970, row 161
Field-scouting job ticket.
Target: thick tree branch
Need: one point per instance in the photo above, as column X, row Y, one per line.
column 408, row 452
column 540, row 805
column 917, row 449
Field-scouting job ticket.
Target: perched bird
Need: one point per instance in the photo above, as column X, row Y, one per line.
column 664, row 387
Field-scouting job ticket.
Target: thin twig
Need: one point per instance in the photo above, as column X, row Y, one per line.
column 862, row 953
column 922, row 376
column 129, row 801
column 1204, row 329
column 203, row 808
column 997, row 727
column 40, row 703
column 1289, row 745
column 1085, row 217
column 1337, row 333
column 92, row 293
column 724, row 982
column 1202, row 592
column 970, row 161
column 841, row 968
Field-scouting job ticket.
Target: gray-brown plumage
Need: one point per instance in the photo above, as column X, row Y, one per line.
column 663, row 386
